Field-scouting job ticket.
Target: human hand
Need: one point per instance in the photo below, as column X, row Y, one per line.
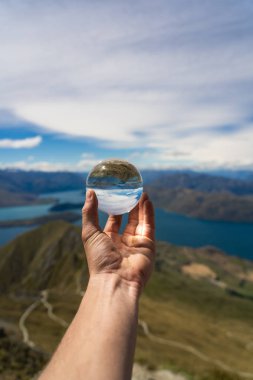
column 131, row 255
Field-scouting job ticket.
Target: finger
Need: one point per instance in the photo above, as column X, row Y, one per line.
column 133, row 220
column 90, row 224
column 149, row 220
column 144, row 197
column 113, row 224
column 146, row 226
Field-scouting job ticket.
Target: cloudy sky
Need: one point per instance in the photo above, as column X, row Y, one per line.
column 161, row 83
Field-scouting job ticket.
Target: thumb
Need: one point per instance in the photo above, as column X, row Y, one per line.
column 90, row 224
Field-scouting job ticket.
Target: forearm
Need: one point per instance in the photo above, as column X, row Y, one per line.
column 100, row 342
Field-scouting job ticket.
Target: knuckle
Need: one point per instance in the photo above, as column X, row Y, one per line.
column 85, row 210
column 84, row 235
column 89, row 236
column 89, row 233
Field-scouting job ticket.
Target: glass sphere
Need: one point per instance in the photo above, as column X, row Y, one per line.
column 117, row 184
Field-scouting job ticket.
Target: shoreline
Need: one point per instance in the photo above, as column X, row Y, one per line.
column 67, row 216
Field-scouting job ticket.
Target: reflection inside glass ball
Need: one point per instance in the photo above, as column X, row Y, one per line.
column 117, row 184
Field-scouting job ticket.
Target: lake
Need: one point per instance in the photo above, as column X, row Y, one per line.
column 233, row 238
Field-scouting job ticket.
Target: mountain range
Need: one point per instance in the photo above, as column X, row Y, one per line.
column 19, row 187
column 204, row 196
column 195, row 314
column 199, row 195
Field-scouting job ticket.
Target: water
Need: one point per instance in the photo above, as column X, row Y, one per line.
column 117, row 201
column 117, row 184
column 33, row 211
column 28, row 212
column 23, row 212
column 70, row 196
column 233, row 238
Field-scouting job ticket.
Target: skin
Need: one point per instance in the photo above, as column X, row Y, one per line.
column 100, row 342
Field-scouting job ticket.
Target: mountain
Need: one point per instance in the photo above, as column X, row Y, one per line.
column 23, row 187
column 218, row 206
column 203, row 182
column 29, row 262
column 36, row 182
column 203, row 196
column 10, row 198
column 233, row 173
column 195, row 194
column 195, row 314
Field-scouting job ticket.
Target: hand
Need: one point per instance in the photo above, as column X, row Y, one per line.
column 130, row 255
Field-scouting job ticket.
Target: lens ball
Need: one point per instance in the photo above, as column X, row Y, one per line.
column 117, row 184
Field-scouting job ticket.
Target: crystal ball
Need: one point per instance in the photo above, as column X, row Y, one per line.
column 117, row 184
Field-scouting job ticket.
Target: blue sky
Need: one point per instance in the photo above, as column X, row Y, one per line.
column 161, row 83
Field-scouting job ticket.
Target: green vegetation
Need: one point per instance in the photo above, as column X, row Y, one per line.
column 120, row 169
column 17, row 360
column 196, row 325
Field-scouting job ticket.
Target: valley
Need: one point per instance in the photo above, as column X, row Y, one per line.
column 195, row 322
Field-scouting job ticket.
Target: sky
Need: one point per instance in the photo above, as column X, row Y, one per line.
column 163, row 83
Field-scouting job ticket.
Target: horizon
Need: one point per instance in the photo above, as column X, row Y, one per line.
column 167, row 86
column 237, row 174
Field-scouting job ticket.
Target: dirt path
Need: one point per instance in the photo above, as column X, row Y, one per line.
column 193, row 351
column 49, row 307
column 22, row 325
column 142, row 373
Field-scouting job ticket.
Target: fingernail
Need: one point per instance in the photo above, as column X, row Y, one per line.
column 89, row 195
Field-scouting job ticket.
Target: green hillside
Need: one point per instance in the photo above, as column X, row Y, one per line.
column 195, row 314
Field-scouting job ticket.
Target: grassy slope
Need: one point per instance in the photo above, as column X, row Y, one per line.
column 175, row 306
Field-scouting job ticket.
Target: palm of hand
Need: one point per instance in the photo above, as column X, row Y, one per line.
column 129, row 255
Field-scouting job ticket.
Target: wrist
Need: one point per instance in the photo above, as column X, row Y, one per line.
column 111, row 284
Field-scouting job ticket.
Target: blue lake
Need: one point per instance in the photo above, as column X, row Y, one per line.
column 233, row 238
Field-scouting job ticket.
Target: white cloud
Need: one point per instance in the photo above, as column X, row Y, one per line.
column 165, row 70
column 84, row 164
column 44, row 166
column 29, row 142
column 167, row 157
column 39, row 165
